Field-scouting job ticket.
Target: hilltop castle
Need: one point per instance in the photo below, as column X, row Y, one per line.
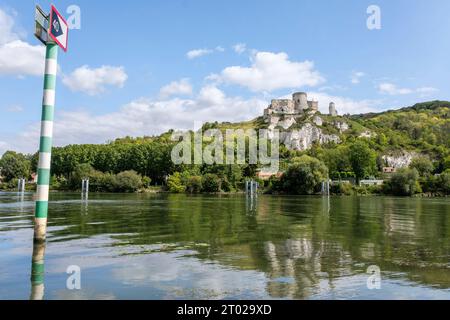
column 293, row 108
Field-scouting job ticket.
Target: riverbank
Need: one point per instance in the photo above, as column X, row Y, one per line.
column 356, row 191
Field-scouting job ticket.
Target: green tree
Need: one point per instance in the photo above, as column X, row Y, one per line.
column 446, row 163
column 443, row 182
column 363, row 159
column 336, row 159
column 405, row 182
column 304, row 176
column 14, row 165
column 423, row 165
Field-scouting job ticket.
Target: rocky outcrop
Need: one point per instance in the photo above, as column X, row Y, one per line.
column 341, row 126
column 400, row 159
column 287, row 122
column 318, row 121
column 304, row 138
column 367, row 134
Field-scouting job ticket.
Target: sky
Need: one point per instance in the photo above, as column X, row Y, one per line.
column 137, row 68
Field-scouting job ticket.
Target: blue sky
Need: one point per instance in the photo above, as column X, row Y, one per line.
column 142, row 67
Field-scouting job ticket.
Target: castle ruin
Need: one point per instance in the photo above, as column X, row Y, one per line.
column 285, row 111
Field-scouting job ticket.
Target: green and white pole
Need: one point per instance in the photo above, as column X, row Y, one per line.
column 45, row 147
column 37, row 272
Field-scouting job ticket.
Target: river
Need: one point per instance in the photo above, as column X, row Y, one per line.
column 165, row 246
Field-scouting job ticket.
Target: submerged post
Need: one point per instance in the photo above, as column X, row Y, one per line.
column 21, row 185
column 85, row 188
column 45, row 147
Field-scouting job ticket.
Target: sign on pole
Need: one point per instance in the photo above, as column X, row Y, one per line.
column 41, row 25
column 52, row 31
column 58, row 29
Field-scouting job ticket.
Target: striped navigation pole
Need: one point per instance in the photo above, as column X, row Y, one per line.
column 45, row 147
column 53, row 32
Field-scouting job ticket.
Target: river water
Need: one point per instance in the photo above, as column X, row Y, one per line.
column 143, row 246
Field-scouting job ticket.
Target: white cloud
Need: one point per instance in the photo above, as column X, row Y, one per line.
column 271, row 71
column 344, row 105
column 333, row 88
column 426, row 91
column 356, row 76
column 182, row 87
column 17, row 57
column 392, row 89
column 14, row 108
column 94, row 81
column 240, row 48
column 145, row 117
column 196, row 53
column 6, row 28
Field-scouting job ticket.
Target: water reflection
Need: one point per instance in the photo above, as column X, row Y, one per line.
column 37, row 271
column 177, row 246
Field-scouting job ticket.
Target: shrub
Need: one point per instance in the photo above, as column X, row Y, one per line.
column 105, row 182
column 274, row 185
column 175, row 184
column 211, row 183
column 146, row 181
column 226, row 185
column 304, row 176
column 56, row 183
column 128, row 181
column 194, row 184
column 342, row 188
column 405, row 182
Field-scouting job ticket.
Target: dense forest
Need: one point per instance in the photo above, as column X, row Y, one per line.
column 131, row 164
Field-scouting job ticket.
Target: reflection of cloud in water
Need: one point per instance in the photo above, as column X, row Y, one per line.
column 189, row 277
column 355, row 287
column 85, row 294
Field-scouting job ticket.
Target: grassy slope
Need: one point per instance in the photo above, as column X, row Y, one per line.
column 424, row 127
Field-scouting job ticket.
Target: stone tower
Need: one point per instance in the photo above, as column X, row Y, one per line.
column 332, row 108
column 313, row 106
column 300, row 101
